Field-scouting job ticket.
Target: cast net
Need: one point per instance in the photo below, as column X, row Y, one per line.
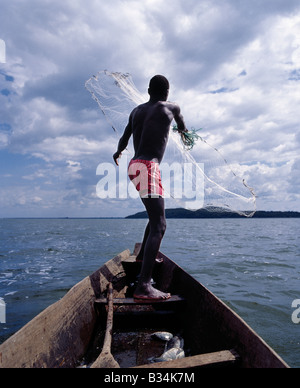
column 195, row 175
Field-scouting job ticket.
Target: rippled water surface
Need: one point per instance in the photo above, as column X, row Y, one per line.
column 253, row 265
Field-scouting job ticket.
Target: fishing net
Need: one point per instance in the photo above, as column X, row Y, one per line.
column 195, row 174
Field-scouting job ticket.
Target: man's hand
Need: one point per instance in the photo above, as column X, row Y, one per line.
column 116, row 156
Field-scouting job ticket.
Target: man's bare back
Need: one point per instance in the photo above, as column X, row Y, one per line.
column 150, row 125
column 150, row 128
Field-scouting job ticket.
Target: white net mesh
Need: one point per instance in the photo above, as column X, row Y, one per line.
column 194, row 179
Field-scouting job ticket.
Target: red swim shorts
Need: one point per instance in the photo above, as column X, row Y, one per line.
column 145, row 175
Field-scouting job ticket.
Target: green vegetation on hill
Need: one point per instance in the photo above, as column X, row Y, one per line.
column 215, row 213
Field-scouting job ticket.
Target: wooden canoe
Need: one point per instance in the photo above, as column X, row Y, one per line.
column 70, row 333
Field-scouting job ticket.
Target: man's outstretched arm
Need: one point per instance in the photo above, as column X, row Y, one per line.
column 123, row 142
column 179, row 119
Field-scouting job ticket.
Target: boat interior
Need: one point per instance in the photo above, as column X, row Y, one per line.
column 136, row 322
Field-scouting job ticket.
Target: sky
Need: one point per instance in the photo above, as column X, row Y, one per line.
column 233, row 66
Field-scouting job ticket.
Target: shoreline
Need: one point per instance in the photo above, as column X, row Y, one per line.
column 178, row 213
column 206, row 214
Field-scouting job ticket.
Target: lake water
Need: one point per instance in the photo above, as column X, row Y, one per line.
column 253, row 265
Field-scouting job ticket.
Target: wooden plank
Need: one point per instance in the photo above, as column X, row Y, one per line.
column 222, row 358
column 131, row 259
column 132, row 301
column 106, row 360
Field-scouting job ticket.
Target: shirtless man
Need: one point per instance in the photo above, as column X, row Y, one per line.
column 149, row 124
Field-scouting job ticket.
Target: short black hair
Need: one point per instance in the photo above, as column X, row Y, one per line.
column 158, row 85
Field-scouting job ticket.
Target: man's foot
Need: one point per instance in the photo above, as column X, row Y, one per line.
column 150, row 293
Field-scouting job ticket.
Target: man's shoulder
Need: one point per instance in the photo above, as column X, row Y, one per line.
column 142, row 105
column 139, row 107
column 173, row 106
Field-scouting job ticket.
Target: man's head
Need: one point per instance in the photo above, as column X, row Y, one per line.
column 159, row 87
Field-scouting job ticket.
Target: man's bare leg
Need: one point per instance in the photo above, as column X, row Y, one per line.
column 157, row 225
column 140, row 255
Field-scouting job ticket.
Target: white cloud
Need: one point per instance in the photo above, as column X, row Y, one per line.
column 234, row 68
column 4, row 140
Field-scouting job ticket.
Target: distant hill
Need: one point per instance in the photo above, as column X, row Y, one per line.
column 203, row 213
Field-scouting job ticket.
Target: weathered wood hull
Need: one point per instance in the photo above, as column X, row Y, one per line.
column 62, row 334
